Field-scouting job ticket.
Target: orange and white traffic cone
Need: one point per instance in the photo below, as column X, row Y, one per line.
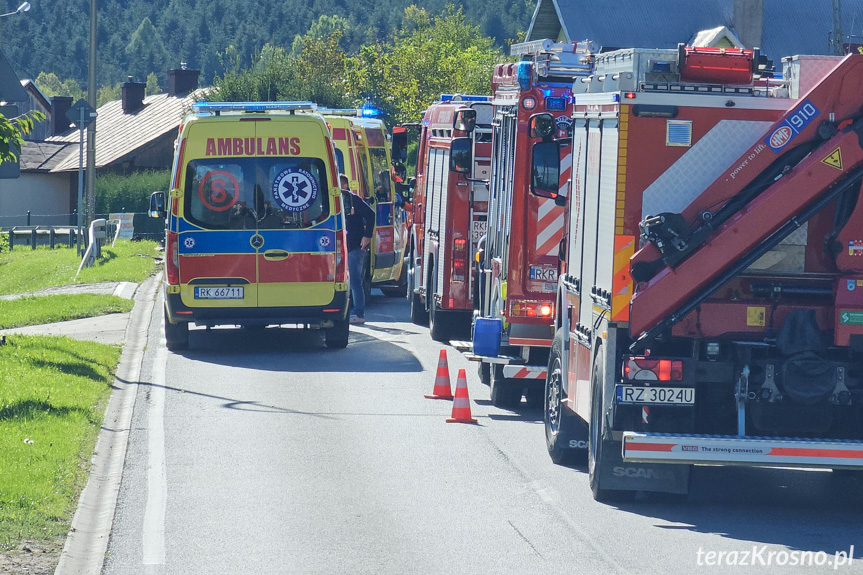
column 442, row 385
column 461, row 402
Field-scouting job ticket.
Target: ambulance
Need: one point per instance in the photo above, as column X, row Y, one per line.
column 254, row 229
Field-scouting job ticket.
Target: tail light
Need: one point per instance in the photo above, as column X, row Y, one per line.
column 647, row 369
column 341, row 258
column 172, row 259
column 540, row 309
column 459, row 259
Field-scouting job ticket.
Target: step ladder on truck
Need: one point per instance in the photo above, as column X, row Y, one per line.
column 517, row 259
column 734, row 335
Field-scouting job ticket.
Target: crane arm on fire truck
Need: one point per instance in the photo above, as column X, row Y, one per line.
column 759, row 206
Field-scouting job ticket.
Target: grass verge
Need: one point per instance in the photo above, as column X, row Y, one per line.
column 26, row 270
column 53, row 393
column 35, row 310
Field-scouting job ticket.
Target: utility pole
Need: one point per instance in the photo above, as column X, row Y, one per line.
column 91, row 129
column 837, row 28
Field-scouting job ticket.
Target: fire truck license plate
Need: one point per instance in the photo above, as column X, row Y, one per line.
column 636, row 395
column 540, row 273
column 477, row 230
column 218, row 293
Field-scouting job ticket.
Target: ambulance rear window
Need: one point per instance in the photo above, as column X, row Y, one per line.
column 256, row 193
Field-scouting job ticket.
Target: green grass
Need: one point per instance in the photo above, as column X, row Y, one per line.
column 24, row 270
column 35, row 310
column 53, row 393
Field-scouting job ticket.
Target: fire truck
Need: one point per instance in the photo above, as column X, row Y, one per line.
column 449, row 203
column 734, row 334
column 517, row 266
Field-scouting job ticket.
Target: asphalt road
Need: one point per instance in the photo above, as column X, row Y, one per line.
column 264, row 452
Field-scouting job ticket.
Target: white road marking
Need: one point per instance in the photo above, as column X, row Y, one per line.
column 153, row 536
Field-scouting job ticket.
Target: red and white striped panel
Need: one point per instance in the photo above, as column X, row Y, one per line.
column 549, row 220
column 523, row 372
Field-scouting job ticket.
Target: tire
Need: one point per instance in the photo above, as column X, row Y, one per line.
column 560, row 425
column 438, row 326
column 176, row 334
column 484, row 372
column 504, row 392
column 336, row 337
column 596, row 444
column 419, row 316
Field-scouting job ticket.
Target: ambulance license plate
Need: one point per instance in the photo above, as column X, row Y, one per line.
column 218, row 293
column 637, row 395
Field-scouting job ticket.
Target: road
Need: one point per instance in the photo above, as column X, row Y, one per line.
column 264, row 452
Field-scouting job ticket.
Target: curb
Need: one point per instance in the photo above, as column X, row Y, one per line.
column 87, row 542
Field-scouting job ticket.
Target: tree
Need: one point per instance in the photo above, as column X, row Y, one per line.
column 152, row 85
column 12, row 132
column 51, row 85
column 145, row 50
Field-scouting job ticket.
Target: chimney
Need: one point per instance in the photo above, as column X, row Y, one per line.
column 182, row 81
column 748, row 18
column 133, row 96
column 59, row 106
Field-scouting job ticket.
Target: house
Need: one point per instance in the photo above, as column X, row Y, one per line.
column 778, row 27
column 134, row 133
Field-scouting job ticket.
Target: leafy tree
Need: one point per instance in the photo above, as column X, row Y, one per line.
column 51, row 85
column 319, row 72
column 109, row 93
column 152, row 85
column 12, row 132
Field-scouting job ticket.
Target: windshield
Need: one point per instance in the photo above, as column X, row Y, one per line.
column 256, row 193
column 380, row 174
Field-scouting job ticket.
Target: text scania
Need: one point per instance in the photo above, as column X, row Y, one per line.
column 759, row 556
column 253, row 147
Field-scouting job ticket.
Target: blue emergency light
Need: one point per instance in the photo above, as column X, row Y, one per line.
column 370, row 112
column 555, row 104
column 218, row 107
column 523, row 74
column 464, row 98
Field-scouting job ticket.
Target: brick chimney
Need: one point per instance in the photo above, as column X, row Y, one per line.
column 59, row 106
column 133, row 96
column 748, row 19
column 182, row 81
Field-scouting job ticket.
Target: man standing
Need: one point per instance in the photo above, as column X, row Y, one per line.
column 359, row 226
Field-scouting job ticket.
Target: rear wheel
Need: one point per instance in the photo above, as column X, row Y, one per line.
column 438, row 324
column 336, row 337
column 596, row 444
column 176, row 334
column 504, row 393
column 484, row 372
column 561, row 428
column 419, row 316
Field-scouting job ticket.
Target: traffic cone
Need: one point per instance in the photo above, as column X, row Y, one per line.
column 442, row 385
column 461, row 402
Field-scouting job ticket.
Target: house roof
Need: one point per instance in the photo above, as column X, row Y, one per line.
column 10, row 85
column 789, row 27
column 120, row 135
column 45, row 156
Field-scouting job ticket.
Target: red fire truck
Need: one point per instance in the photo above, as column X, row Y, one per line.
column 518, row 256
column 450, row 202
column 734, row 336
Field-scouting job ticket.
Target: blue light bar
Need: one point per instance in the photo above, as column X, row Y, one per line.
column 216, row 107
column 370, row 112
column 464, row 98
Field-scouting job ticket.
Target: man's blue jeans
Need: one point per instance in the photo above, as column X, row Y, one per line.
column 355, row 268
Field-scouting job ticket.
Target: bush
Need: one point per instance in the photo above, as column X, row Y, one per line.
column 4, row 242
column 129, row 193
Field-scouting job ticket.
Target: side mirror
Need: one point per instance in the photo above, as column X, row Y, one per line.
column 405, row 192
column 545, row 170
column 461, row 155
column 464, row 121
column 542, row 126
column 157, row 205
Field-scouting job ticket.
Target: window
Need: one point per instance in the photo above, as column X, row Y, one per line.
column 256, row 193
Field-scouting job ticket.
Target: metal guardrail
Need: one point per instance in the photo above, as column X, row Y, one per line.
column 101, row 232
column 50, row 236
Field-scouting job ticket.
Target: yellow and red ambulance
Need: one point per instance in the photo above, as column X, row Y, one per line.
column 363, row 156
column 254, row 230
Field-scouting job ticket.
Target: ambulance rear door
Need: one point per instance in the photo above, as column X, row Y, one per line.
column 216, row 254
column 296, row 224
